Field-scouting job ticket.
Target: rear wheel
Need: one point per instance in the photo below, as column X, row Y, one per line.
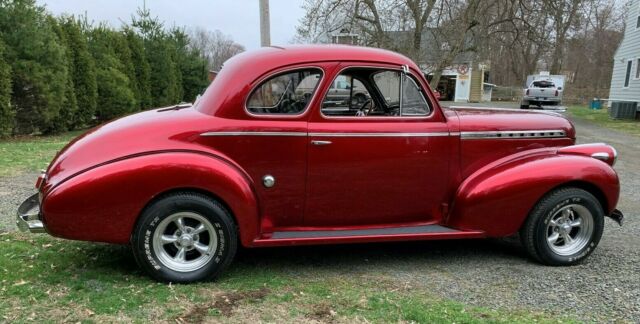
column 184, row 237
column 564, row 227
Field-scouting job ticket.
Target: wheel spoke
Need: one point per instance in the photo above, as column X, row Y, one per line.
column 180, row 223
column 567, row 238
column 201, row 247
column 180, row 256
column 199, row 229
column 167, row 239
column 576, row 223
column 553, row 238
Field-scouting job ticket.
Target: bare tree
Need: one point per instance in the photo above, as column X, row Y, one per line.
column 215, row 46
column 518, row 37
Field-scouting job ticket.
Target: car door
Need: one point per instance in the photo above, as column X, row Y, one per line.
column 377, row 170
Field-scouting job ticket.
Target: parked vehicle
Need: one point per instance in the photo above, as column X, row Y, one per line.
column 256, row 163
column 543, row 90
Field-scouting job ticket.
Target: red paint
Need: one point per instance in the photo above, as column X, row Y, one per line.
column 98, row 185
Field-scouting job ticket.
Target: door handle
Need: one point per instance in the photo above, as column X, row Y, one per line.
column 319, row 143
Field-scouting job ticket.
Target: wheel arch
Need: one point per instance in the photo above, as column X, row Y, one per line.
column 114, row 195
column 195, row 190
column 588, row 187
column 498, row 199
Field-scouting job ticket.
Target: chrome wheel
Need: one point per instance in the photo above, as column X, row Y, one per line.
column 185, row 241
column 570, row 229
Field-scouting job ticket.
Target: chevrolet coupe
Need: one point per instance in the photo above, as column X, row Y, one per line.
column 257, row 162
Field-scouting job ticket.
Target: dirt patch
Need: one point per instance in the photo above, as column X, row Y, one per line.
column 224, row 302
column 323, row 313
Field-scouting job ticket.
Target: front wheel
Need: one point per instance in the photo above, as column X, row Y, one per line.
column 564, row 227
column 183, row 238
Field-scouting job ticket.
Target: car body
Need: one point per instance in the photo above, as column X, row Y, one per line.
column 257, row 163
column 542, row 92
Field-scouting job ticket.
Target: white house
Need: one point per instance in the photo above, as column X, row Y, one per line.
column 625, row 81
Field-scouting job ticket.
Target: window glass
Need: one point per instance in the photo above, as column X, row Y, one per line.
column 638, row 68
column 628, row 74
column 388, row 82
column 287, row 93
column 413, row 102
column 347, row 96
column 369, row 92
column 543, row 84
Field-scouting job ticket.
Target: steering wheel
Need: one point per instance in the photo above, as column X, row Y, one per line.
column 361, row 111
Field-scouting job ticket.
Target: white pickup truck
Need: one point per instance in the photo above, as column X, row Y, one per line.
column 542, row 91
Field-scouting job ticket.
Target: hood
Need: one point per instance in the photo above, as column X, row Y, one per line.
column 154, row 130
column 497, row 119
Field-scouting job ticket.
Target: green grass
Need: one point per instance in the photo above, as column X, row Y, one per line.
column 30, row 153
column 52, row 280
column 601, row 118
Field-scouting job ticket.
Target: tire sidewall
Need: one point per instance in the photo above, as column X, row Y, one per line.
column 142, row 240
column 578, row 197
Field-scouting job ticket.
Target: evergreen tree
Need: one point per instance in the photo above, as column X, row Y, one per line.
column 123, row 53
column 192, row 67
column 82, row 72
column 142, row 69
column 163, row 74
column 64, row 120
column 38, row 63
column 115, row 97
column 6, row 112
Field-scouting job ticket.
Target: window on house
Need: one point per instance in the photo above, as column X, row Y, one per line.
column 638, row 68
column 638, row 22
column 627, row 76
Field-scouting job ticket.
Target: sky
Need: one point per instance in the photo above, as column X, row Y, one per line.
column 238, row 18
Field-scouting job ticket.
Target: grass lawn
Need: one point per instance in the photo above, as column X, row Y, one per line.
column 30, row 153
column 47, row 279
column 601, row 117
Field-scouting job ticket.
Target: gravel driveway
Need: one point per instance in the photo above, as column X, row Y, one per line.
column 605, row 288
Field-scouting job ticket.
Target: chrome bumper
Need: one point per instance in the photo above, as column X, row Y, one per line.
column 29, row 216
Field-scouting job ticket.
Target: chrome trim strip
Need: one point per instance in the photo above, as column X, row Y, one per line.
column 251, row 133
column 554, row 133
column 380, row 134
column 602, row 156
column 321, row 134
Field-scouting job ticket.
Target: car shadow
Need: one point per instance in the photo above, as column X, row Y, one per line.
column 119, row 260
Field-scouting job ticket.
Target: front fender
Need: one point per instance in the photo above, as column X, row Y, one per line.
column 498, row 199
column 103, row 203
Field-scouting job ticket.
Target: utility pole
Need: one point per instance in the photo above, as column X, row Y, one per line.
column 265, row 28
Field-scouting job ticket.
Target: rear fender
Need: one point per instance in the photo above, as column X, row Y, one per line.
column 103, row 203
column 498, row 198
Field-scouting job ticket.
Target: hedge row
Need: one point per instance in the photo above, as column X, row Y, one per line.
column 62, row 73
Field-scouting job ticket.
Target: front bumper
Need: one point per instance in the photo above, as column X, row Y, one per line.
column 29, row 215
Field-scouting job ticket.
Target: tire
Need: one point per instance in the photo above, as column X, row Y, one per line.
column 568, row 211
column 207, row 237
column 524, row 106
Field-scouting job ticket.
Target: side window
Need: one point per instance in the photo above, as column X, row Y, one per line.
column 284, row 94
column 346, row 97
column 371, row 92
column 388, row 83
column 413, row 102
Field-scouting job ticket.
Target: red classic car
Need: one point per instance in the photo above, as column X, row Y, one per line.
column 256, row 162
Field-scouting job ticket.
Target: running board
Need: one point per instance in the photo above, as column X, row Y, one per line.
column 364, row 232
column 400, row 233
